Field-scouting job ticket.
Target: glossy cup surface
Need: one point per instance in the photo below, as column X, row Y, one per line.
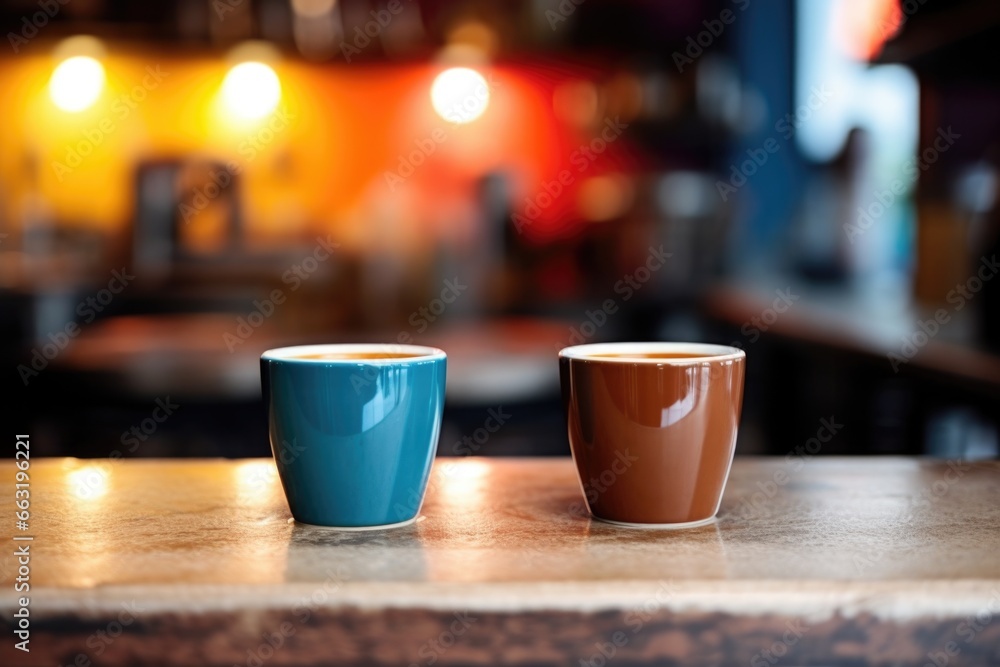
column 652, row 438
column 353, row 439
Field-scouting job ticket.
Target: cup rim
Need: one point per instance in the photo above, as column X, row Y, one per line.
column 708, row 352
column 290, row 353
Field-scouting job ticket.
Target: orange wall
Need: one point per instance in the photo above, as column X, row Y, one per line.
column 348, row 125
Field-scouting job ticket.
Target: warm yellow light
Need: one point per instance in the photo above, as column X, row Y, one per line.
column 460, row 95
column 89, row 482
column 76, row 83
column 251, row 90
column 475, row 35
column 464, row 480
column 256, row 482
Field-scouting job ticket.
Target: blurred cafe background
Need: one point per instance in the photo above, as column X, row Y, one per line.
column 185, row 184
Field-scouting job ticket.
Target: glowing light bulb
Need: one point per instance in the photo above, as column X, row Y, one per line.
column 460, row 95
column 76, row 83
column 251, row 90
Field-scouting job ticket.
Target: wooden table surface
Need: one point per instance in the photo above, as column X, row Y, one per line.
column 814, row 561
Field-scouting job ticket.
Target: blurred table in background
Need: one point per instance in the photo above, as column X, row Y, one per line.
column 126, row 363
column 188, row 354
column 865, row 357
column 871, row 325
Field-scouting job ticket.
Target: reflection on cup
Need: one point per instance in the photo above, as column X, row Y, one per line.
column 353, row 430
column 652, row 428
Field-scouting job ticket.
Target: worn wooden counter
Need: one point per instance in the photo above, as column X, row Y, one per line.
column 812, row 562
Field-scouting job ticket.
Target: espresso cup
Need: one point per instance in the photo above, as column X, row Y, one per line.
column 353, row 430
column 652, row 428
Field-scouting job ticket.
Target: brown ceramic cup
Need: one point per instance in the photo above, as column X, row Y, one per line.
column 652, row 428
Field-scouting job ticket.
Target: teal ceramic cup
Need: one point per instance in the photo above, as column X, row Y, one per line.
column 353, row 430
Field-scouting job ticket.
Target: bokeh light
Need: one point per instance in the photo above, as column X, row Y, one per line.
column 76, row 83
column 251, row 90
column 603, row 198
column 89, row 482
column 576, row 103
column 312, row 8
column 460, row 95
column 475, row 35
